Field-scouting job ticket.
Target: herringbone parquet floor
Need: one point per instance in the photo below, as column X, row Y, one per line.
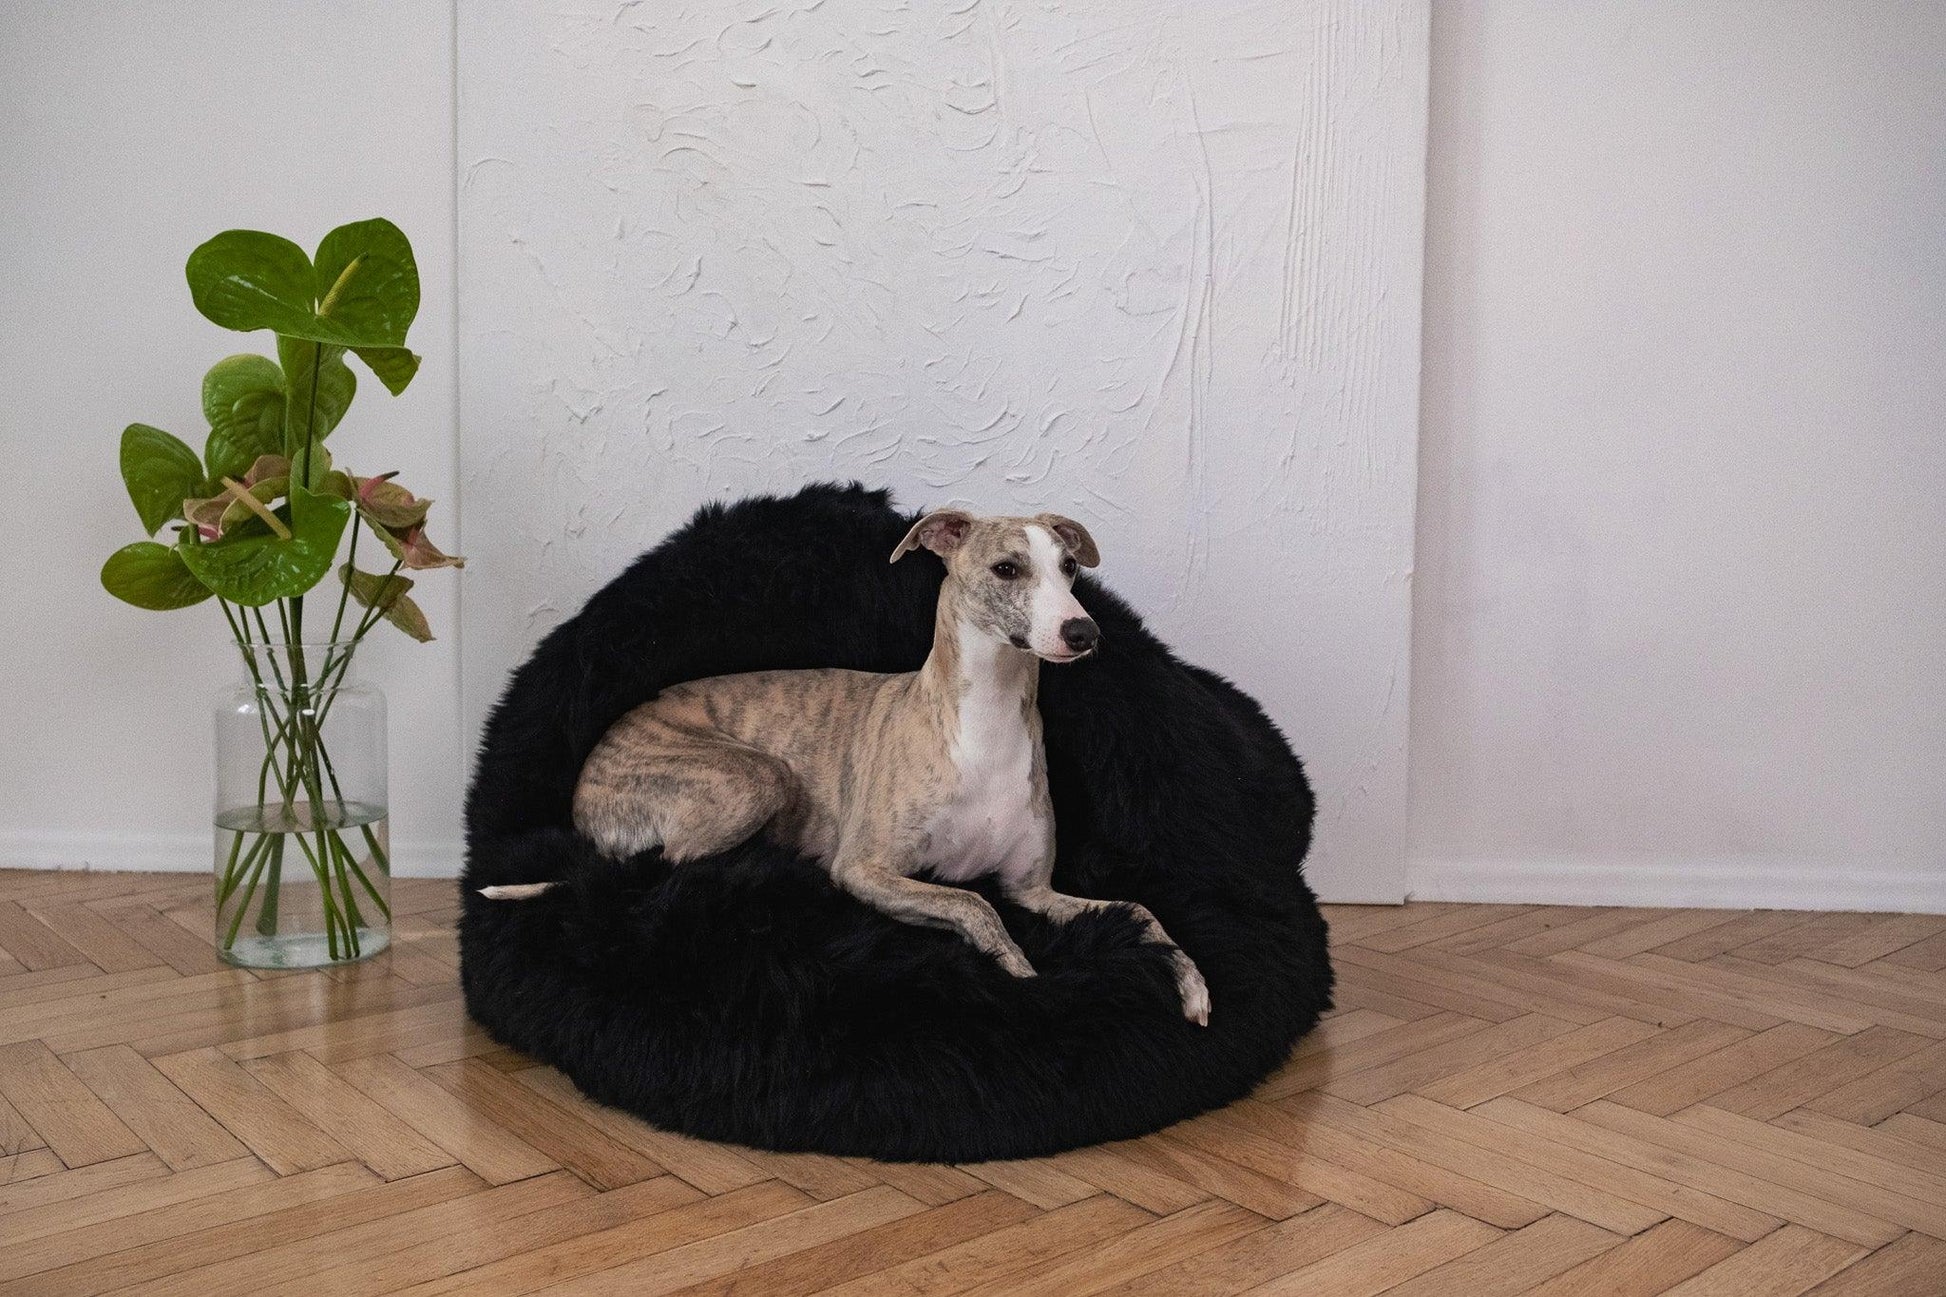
column 1509, row 1100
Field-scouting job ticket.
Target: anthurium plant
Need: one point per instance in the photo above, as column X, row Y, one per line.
column 257, row 521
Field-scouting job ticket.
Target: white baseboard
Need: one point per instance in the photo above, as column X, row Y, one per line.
column 1733, row 882
column 182, row 853
column 1729, row 882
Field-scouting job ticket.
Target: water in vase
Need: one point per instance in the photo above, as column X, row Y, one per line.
column 297, row 888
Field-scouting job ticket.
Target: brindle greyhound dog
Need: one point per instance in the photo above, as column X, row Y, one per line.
column 882, row 776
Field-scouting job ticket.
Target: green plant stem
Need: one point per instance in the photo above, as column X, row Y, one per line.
column 336, row 664
column 343, row 864
column 378, row 859
column 240, row 629
column 339, row 936
column 226, row 883
column 332, row 921
column 267, row 912
column 246, row 647
column 311, row 423
column 351, row 565
column 237, row 631
column 240, row 862
column 243, row 906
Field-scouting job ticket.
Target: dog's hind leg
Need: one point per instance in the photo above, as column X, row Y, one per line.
column 726, row 795
column 652, row 784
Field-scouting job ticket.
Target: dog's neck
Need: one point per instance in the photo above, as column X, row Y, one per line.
column 976, row 683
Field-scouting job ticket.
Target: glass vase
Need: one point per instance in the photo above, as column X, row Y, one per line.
column 303, row 866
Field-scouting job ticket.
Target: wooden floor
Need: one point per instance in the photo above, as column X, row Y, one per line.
column 1509, row 1100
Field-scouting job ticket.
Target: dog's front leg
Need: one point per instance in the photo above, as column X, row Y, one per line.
column 933, row 906
column 1062, row 908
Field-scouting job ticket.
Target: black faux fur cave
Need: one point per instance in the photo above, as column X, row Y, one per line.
column 744, row 998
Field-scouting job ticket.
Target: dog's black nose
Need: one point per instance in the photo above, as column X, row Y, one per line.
column 1080, row 634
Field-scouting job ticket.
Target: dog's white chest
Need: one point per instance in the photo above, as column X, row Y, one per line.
column 991, row 822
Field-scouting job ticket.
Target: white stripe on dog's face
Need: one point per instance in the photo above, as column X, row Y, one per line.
column 1053, row 602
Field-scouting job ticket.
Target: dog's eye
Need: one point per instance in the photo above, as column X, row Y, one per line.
column 1067, row 566
column 1006, row 571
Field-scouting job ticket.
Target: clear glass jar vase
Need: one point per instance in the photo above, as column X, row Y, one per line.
column 303, row 864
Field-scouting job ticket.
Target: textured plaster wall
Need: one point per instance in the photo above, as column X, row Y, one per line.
column 1153, row 264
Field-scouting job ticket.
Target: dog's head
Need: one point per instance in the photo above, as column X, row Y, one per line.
column 1013, row 578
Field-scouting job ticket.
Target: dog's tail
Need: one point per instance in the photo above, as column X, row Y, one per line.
column 515, row 891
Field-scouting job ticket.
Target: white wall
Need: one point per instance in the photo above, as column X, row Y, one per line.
column 132, row 133
column 1680, row 617
column 1680, row 597
column 1152, row 264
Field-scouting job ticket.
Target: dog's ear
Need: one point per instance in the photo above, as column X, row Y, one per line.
column 940, row 531
column 1075, row 537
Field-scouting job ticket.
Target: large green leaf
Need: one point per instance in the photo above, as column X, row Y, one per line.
column 160, row 473
column 368, row 282
column 243, row 399
column 247, row 280
column 362, row 294
column 152, row 576
column 259, row 569
column 388, row 595
column 234, row 377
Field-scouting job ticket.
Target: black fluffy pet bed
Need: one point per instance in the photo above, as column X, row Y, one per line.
column 744, row 998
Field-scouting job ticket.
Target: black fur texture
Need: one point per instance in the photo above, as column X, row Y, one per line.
column 744, row 998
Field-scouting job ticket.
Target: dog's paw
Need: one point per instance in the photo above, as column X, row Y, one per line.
column 1194, row 992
